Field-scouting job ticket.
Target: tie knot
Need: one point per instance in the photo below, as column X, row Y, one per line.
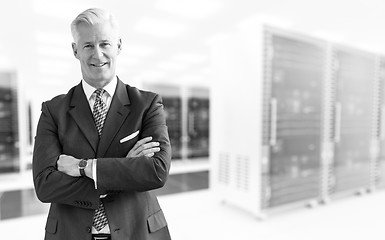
column 99, row 93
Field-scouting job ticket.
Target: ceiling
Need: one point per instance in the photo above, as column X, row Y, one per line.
column 167, row 40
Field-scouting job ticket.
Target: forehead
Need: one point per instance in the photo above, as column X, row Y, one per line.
column 98, row 32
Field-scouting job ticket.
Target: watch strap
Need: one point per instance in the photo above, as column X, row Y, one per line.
column 82, row 165
column 82, row 172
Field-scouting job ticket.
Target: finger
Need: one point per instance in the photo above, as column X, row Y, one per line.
column 149, row 151
column 149, row 145
column 141, row 142
column 149, row 155
column 138, row 150
column 144, row 140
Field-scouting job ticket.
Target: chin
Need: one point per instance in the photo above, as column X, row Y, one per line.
column 101, row 75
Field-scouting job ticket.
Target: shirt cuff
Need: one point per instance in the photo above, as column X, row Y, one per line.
column 94, row 177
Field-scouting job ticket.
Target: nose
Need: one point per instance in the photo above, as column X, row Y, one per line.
column 98, row 52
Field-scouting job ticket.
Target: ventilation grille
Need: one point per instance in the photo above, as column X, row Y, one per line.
column 224, row 169
column 242, row 173
column 234, row 171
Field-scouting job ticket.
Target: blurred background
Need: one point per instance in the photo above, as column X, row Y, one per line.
column 273, row 107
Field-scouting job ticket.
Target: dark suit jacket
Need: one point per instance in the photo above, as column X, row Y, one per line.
column 66, row 126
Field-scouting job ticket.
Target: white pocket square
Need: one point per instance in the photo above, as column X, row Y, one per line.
column 131, row 136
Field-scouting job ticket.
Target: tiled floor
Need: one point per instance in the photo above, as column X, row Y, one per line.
column 198, row 215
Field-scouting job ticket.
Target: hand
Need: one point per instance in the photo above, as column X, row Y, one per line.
column 68, row 165
column 144, row 147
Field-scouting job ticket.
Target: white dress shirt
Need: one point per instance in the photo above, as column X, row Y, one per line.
column 106, row 98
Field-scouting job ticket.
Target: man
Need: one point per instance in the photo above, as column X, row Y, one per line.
column 101, row 148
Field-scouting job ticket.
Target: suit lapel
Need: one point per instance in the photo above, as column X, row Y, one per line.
column 116, row 116
column 82, row 115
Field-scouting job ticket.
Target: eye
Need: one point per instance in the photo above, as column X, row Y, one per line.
column 105, row 44
column 87, row 46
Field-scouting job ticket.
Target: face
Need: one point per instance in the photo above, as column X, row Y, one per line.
column 97, row 48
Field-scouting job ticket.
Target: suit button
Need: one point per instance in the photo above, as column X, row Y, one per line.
column 89, row 229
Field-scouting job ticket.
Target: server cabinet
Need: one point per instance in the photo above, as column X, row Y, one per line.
column 187, row 117
column 173, row 109
column 9, row 151
column 267, row 118
column 354, row 110
column 294, row 74
column 295, row 119
column 307, row 125
column 172, row 103
column 198, row 123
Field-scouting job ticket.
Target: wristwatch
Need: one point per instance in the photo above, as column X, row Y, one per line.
column 82, row 165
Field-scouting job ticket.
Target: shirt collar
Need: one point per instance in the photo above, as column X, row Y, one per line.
column 109, row 88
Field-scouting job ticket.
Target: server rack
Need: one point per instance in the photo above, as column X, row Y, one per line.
column 9, row 135
column 172, row 107
column 307, row 126
column 187, row 117
column 354, row 113
column 172, row 103
column 293, row 106
column 198, row 123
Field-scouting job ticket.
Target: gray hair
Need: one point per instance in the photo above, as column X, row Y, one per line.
column 92, row 17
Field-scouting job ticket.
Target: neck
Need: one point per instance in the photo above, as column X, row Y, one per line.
column 98, row 84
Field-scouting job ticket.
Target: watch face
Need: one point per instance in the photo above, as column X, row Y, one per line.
column 83, row 163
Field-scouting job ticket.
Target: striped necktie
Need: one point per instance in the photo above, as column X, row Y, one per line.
column 100, row 113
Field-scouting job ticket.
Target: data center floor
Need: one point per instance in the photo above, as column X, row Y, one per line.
column 198, row 215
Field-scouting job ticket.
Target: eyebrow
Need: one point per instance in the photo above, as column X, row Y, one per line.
column 87, row 43
column 102, row 41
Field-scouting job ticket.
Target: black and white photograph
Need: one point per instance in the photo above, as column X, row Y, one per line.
column 192, row 119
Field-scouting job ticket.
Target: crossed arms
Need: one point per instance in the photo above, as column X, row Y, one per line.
column 56, row 175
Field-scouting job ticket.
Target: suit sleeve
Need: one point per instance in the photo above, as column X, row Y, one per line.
column 140, row 173
column 51, row 185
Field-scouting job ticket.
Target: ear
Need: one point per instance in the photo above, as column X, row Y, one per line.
column 119, row 45
column 74, row 50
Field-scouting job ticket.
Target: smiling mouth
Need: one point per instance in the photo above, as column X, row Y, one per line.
column 98, row 65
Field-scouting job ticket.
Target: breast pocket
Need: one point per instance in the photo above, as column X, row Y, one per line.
column 129, row 137
column 127, row 142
